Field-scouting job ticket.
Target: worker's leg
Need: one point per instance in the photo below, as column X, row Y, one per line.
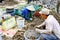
column 49, row 37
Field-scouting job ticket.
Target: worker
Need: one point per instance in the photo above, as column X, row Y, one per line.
column 52, row 27
column 26, row 12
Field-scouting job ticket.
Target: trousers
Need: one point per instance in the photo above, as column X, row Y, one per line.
column 49, row 37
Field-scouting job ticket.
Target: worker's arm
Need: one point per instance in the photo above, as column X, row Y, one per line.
column 41, row 24
column 47, row 30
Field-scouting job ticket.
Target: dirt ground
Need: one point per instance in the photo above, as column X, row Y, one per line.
column 20, row 34
column 8, row 3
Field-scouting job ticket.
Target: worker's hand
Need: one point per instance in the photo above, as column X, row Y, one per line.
column 37, row 30
column 36, row 26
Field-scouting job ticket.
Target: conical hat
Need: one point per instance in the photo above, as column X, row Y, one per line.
column 31, row 8
column 45, row 11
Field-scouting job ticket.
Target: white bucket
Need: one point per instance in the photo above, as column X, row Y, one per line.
column 20, row 22
column 0, row 37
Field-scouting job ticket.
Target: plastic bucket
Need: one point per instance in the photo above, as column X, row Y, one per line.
column 30, row 39
column 20, row 22
column 0, row 37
